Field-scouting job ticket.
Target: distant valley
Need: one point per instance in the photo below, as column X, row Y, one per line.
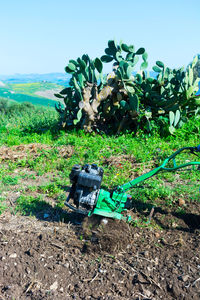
column 38, row 93
column 58, row 78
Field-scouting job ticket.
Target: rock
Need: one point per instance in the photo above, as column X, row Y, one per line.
column 54, row 286
column 181, row 202
column 104, row 221
column 13, row 255
column 185, row 278
column 77, row 251
column 156, row 260
column 103, row 271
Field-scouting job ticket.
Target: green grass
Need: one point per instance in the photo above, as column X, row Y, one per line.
column 39, row 126
column 10, row 180
column 50, row 189
column 34, row 120
column 30, row 205
column 3, row 205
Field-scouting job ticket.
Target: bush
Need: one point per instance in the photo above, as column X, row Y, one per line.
column 28, row 118
column 10, row 108
column 3, row 105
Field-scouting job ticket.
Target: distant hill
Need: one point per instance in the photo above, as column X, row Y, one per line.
column 58, row 78
column 39, row 93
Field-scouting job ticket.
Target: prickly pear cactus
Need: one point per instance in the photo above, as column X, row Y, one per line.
column 92, row 97
column 171, row 93
column 124, row 106
column 80, row 97
column 124, row 98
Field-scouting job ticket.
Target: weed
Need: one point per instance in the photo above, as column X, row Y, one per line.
column 3, row 205
column 30, row 205
column 32, row 188
column 50, row 189
column 180, row 211
column 9, row 180
column 99, row 259
column 60, row 200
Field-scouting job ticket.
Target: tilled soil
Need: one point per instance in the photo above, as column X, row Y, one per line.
column 94, row 260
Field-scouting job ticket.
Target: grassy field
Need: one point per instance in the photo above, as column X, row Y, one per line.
column 28, row 92
column 32, row 88
column 123, row 158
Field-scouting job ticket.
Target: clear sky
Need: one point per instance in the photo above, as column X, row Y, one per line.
column 40, row 36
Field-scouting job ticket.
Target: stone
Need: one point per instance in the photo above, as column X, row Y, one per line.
column 54, row 286
column 13, row 255
column 185, row 278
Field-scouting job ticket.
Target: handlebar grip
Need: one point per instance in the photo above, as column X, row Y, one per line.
column 198, row 148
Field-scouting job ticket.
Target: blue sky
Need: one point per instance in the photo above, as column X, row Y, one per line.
column 40, row 36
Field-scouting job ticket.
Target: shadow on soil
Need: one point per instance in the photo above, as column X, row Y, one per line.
column 44, row 211
column 192, row 221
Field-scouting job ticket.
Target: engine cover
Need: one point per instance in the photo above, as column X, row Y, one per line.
column 86, row 182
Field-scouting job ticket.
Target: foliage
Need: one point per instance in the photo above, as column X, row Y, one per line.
column 12, row 107
column 89, row 88
column 196, row 68
column 9, row 180
column 171, row 97
column 3, row 105
column 30, row 204
column 50, row 189
column 124, row 99
column 3, row 205
column 26, row 117
column 83, row 89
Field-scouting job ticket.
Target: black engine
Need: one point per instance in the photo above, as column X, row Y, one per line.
column 86, row 182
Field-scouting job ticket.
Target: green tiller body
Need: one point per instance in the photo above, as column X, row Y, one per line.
column 88, row 197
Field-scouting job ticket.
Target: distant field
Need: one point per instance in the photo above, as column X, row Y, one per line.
column 39, row 93
column 32, row 88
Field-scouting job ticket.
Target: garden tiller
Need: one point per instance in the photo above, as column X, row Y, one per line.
column 89, row 198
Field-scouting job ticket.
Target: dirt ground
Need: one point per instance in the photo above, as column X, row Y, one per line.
column 49, row 260
column 31, row 150
column 43, row 258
